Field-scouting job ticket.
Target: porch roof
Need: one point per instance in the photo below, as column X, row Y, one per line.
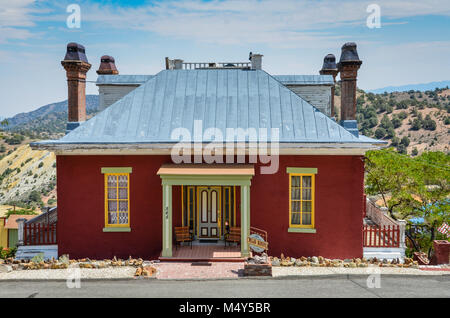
column 206, row 174
column 207, row 169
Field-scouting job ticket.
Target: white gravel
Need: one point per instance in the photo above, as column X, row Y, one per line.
column 85, row 273
column 305, row 271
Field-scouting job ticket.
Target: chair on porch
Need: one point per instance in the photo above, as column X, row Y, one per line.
column 233, row 235
column 182, row 235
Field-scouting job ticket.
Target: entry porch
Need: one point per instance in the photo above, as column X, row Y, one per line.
column 208, row 193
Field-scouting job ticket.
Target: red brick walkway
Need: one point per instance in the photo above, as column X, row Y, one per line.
column 186, row 270
column 205, row 253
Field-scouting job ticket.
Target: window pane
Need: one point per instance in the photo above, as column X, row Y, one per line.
column 123, row 206
column 307, row 181
column 306, row 206
column 123, row 193
column 112, row 181
column 112, row 193
column 295, row 206
column 123, row 181
column 112, row 205
column 306, row 194
column 306, row 218
column 123, row 218
column 295, row 218
column 295, row 193
column 112, row 218
column 295, row 181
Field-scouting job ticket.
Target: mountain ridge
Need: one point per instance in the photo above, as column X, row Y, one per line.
column 416, row 87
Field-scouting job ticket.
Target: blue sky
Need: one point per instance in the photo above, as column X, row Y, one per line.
column 412, row 45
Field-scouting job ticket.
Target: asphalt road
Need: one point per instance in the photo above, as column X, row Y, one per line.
column 342, row 286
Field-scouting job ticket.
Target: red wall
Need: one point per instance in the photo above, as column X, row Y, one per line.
column 338, row 219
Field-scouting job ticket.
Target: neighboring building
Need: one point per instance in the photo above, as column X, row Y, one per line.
column 12, row 227
column 120, row 194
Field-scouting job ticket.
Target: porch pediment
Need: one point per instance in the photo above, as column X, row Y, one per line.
column 206, row 174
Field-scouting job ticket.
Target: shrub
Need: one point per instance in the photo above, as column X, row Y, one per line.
column 380, row 133
column 405, row 141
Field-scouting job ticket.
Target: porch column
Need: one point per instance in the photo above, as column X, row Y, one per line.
column 167, row 221
column 245, row 219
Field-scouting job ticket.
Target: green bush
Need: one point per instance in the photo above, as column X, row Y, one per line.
column 380, row 133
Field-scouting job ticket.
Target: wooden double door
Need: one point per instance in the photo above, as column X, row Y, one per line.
column 209, row 203
column 208, row 210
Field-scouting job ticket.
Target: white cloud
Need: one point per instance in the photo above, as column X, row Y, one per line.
column 15, row 16
column 287, row 22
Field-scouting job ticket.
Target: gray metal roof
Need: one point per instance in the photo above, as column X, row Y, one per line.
column 122, row 79
column 226, row 98
column 305, row 79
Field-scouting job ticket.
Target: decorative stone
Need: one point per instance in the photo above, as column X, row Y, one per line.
column 275, row 261
column 314, row 259
column 347, row 260
column 5, row 268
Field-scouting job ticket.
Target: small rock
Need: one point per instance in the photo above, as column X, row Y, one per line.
column 276, row 262
column 314, row 259
column 5, row 268
column 362, row 265
column 352, row 265
column 347, row 260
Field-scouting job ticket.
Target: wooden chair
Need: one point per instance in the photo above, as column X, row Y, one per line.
column 182, row 235
column 233, row 236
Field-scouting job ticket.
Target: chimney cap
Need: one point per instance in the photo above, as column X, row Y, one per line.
column 349, row 53
column 107, row 66
column 329, row 63
column 75, row 52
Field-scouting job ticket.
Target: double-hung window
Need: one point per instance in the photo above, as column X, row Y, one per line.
column 301, row 199
column 117, row 198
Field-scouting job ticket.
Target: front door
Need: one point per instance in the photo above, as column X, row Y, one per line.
column 209, row 212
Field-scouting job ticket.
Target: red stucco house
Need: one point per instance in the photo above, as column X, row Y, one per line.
column 125, row 181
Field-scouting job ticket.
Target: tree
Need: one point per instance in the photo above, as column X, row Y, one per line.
column 380, row 133
column 412, row 187
column 416, row 124
column 405, row 141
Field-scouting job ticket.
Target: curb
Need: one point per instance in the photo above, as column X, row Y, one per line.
column 286, row 277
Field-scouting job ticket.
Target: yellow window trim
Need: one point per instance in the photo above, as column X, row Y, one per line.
column 107, row 225
column 309, row 226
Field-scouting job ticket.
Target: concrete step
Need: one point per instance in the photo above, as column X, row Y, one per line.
column 29, row 251
column 389, row 253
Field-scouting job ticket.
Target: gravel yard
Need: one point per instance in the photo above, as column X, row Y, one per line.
column 85, row 273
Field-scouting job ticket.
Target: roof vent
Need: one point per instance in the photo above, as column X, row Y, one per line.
column 75, row 52
column 107, row 66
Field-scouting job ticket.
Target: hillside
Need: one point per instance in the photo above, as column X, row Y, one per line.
column 49, row 121
column 412, row 121
column 27, row 176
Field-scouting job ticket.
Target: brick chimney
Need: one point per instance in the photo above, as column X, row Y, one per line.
column 107, row 66
column 256, row 61
column 348, row 67
column 76, row 65
column 329, row 68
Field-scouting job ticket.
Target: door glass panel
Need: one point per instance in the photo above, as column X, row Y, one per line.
column 204, row 206
column 214, row 206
